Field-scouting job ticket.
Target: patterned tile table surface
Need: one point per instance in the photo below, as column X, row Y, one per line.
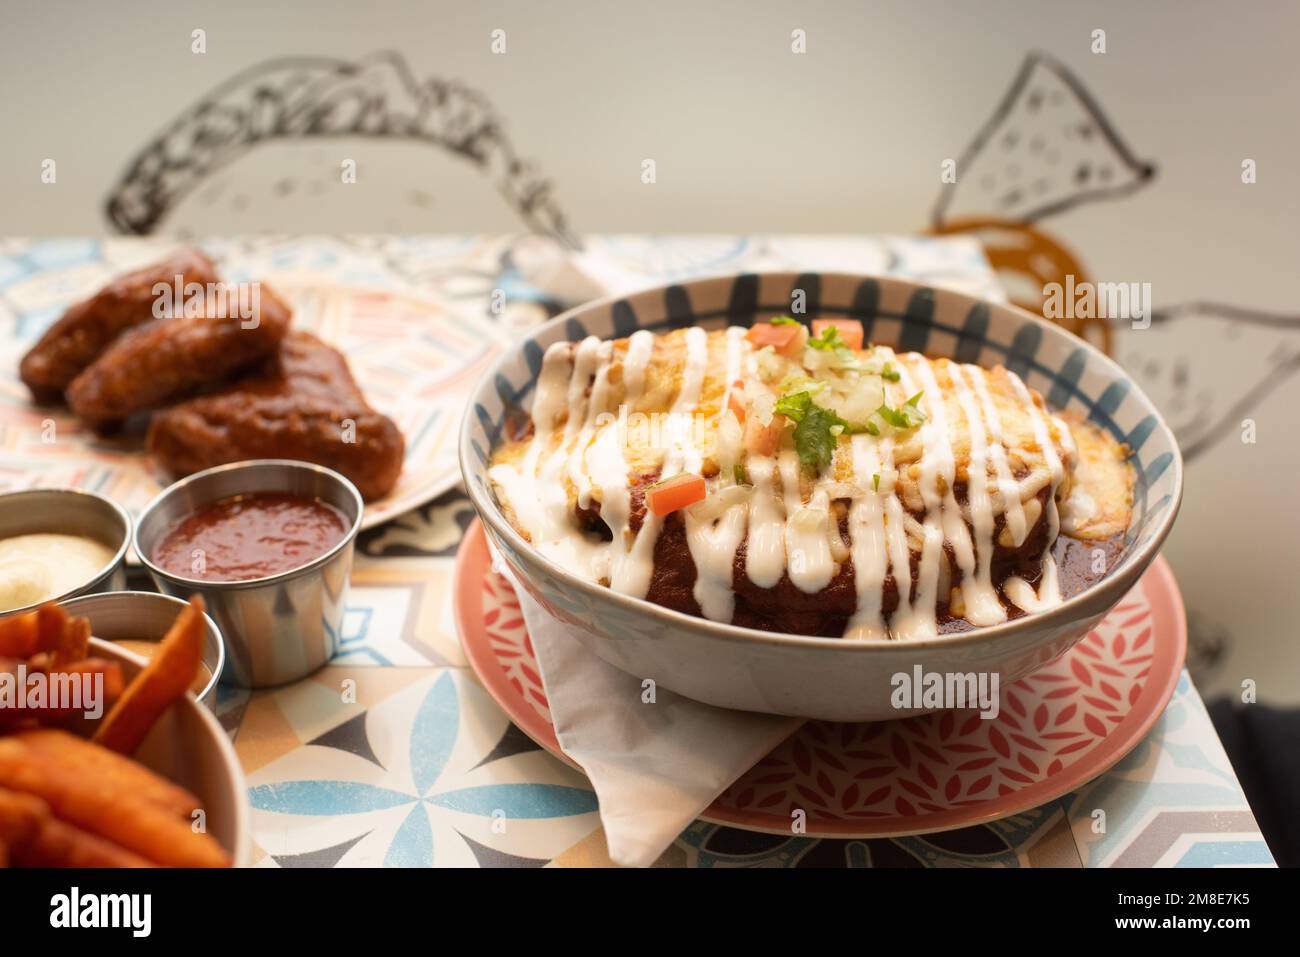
column 394, row 755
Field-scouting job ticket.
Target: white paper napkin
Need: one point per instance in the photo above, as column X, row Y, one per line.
column 654, row 766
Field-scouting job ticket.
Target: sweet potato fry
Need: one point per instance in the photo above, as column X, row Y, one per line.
column 74, row 641
column 110, row 767
column 112, row 813
column 20, row 815
column 9, row 674
column 114, row 683
column 18, row 634
column 69, row 691
column 167, row 676
column 59, row 844
column 51, row 620
column 22, row 636
column 32, row 837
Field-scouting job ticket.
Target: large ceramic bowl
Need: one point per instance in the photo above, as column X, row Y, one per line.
column 827, row 677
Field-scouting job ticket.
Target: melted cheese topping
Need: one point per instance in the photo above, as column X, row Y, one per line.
column 610, row 418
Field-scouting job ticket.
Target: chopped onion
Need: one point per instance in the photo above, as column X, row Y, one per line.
column 762, row 405
column 729, row 442
column 839, row 551
column 808, row 519
column 839, row 490
column 815, row 360
column 713, row 507
column 771, row 367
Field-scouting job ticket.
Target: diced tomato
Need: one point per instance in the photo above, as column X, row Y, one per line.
column 850, row 330
column 736, row 400
column 786, row 339
column 764, row 439
column 674, row 493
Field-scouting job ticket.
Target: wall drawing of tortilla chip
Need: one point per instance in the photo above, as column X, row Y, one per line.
column 1180, row 361
column 265, row 151
column 1048, row 146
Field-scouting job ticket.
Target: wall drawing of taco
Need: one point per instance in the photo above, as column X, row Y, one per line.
column 266, row 151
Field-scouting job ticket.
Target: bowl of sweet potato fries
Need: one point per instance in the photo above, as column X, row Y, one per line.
column 108, row 760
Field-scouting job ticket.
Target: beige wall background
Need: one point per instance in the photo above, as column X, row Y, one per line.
column 748, row 136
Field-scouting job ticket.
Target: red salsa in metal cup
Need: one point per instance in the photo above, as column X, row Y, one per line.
column 250, row 536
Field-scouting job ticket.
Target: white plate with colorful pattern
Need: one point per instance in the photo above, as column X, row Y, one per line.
column 416, row 362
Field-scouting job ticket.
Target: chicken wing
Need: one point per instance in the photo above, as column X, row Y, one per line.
column 87, row 328
column 168, row 359
column 302, row 404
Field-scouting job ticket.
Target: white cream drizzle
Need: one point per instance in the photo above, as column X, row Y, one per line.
column 784, row 535
column 979, row 596
column 632, row 575
column 1012, row 509
column 868, row 543
column 765, row 552
column 1049, row 587
column 713, row 544
column 607, row 465
column 807, row 542
column 917, row 618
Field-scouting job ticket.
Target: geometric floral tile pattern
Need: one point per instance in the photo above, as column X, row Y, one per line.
column 399, row 612
column 432, row 775
column 1173, row 801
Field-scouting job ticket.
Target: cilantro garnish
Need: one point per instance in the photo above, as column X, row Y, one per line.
column 795, row 405
column 817, row 429
column 784, row 321
column 875, row 482
column 742, row 477
column 814, row 438
column 829, row 339
column 889, row 373
column 906, row 416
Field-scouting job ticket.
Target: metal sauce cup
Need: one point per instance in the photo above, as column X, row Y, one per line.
column 279, row 628
column 70, row 511
column 147, row 616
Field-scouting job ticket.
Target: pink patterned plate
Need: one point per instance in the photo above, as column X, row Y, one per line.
column 1057, row 729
